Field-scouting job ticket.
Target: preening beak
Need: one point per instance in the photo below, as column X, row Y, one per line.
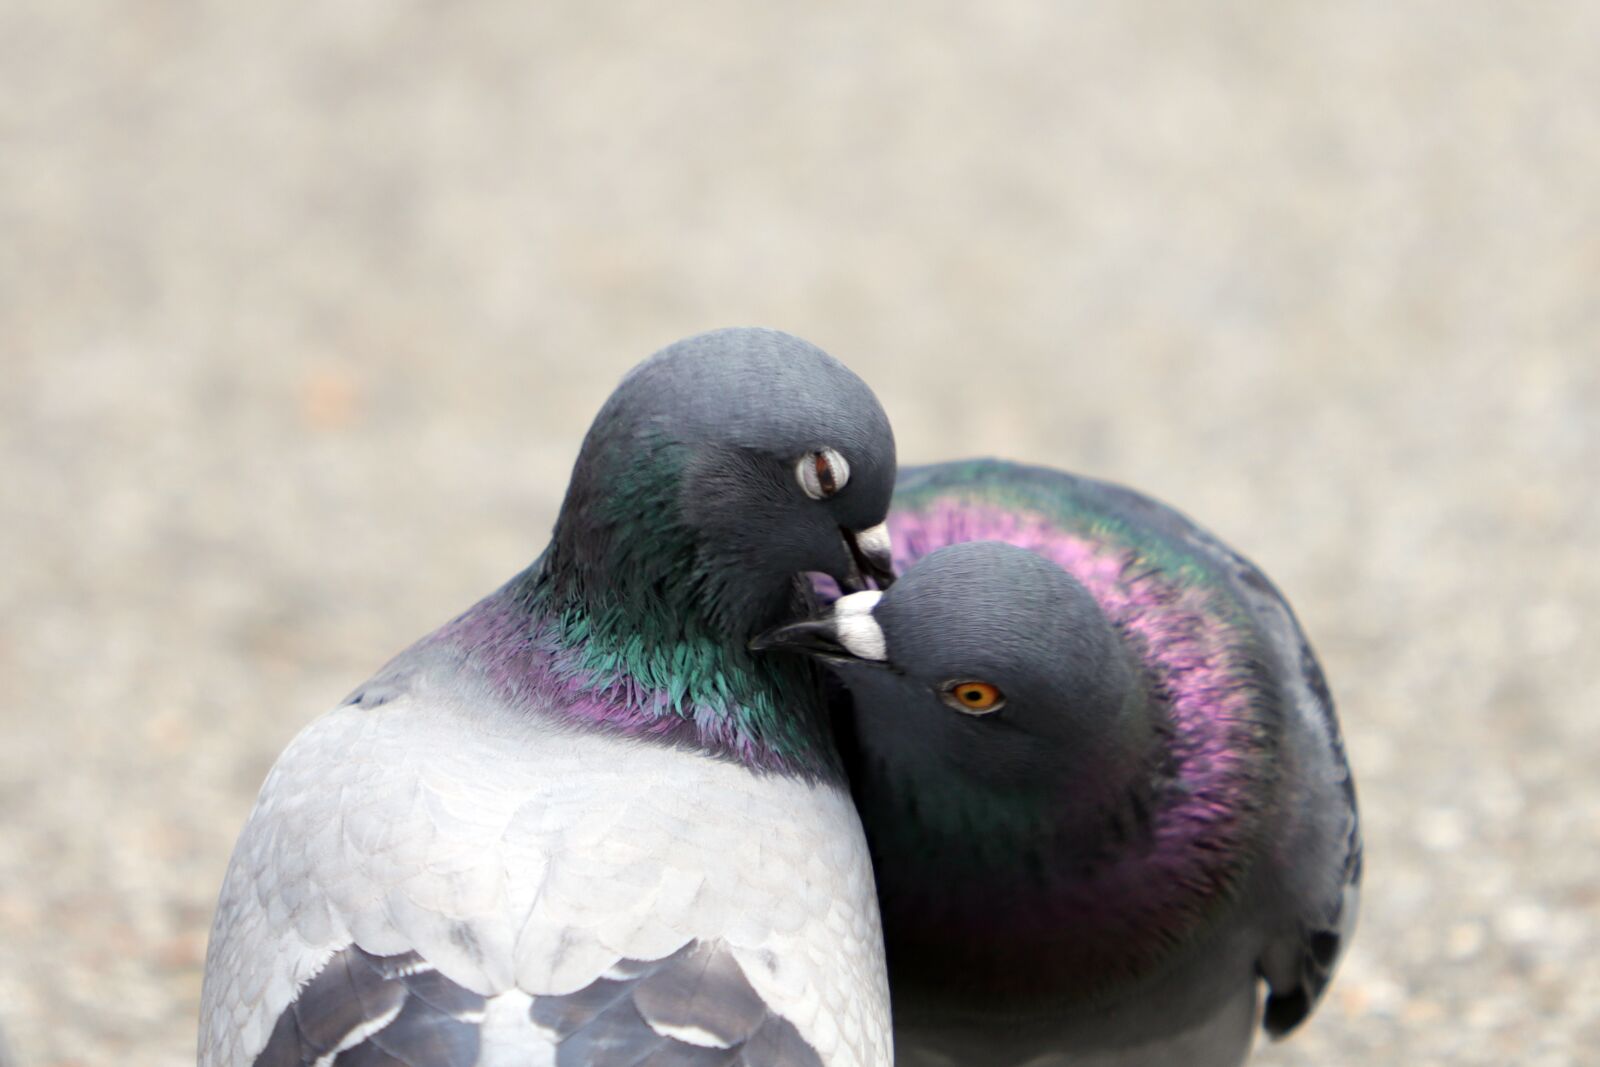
column 869, row 558
column 815, row 637
column 846, row 633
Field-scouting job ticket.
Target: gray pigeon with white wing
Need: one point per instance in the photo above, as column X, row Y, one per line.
column 581, row 824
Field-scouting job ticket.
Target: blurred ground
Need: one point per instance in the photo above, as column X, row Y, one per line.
column 303, row 313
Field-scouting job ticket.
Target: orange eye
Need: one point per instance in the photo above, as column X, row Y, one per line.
column 973, row 697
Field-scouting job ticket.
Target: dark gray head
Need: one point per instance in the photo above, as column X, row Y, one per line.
column 719, row 469
column 987, row 662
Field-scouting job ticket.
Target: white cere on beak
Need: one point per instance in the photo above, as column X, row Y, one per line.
column 854, row 626
column 874, row 540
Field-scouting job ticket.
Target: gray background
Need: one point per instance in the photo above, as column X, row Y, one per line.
column 303, row 314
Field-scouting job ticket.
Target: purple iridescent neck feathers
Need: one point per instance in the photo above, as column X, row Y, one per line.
column 689, row 689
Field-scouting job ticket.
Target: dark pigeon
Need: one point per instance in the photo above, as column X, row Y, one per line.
column 1101, row 778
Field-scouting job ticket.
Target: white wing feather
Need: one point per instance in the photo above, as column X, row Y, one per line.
column 520, row 856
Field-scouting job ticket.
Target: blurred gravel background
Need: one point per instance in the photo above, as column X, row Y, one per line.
column 303, row 312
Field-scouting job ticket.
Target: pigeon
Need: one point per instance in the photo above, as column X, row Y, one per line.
column 582, row 824
column 1101, row 778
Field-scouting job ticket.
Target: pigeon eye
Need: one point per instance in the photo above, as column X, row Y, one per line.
column 822, row 473
column 973, row 697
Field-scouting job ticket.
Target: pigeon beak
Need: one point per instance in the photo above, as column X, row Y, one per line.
column 847, row 633
column 814, row 637
column 869, row 558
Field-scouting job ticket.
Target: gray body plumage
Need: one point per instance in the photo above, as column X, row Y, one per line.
column 524, row 861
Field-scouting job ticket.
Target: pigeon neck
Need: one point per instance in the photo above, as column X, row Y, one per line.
column 1055, row 881
column 1080, row 797
column 623, row 546
column 640, row 634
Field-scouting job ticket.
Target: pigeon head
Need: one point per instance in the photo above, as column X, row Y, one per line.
column 718, row 471
column 985, row 666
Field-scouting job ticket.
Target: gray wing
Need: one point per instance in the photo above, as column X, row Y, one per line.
column 422, row 883
column 1298, row 962
column 695, row 1008
column 378, row 1009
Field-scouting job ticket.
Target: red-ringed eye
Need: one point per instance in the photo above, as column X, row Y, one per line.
column 822, row 473
column 973, row 697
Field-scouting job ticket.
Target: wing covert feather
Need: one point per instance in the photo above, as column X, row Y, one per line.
column 511, row 856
